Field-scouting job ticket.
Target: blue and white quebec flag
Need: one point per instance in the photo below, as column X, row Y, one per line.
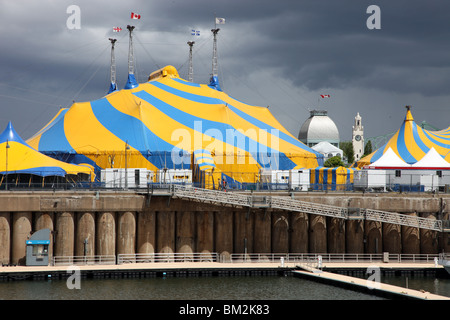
column 220, row 20
column 195, row 32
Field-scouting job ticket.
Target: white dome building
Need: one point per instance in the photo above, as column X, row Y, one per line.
column 317, row 128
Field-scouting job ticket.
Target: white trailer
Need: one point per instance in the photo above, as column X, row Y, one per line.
column 286, row 179
column 135, row 177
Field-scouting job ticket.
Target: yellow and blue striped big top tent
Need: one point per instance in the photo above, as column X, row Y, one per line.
column 171, row 123
column 411, row 143
column 17, row 157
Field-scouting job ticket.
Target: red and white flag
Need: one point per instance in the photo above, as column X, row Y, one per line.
column 135, row 16
column 117, row 29
column 325, row 95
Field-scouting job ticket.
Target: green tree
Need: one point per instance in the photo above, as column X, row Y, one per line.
column 347, row 149
column 334, row 162
column 367, row 148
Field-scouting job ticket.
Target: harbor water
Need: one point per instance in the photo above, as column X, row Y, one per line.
column 205, row 288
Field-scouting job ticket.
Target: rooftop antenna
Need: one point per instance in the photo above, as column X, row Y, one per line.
column 191, row 68
column 214, row 79
column 131, row 82
column 113, row 86
column 215, row 31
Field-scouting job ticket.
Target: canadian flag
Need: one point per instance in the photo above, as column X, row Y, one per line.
column 117, row 29
column 325, row 95
column 135, row 16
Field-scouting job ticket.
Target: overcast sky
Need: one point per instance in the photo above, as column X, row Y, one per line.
column 282, row 54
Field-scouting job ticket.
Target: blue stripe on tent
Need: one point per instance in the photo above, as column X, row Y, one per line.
column 441, row 144
column 48, row 126
column 192, row 84
column 40, row 171
column 378, row 154
column 55, row 139
column 263, row 153
column 265, row 126
column 187, row 95
column 419, row 141
column 243, row 115
column 401, row 147
column 145, row 141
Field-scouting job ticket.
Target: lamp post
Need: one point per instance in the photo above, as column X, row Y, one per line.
column 7, row 147
column 127, row 147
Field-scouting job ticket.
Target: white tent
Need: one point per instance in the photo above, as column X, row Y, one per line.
column 389, row 160
column 327, row 149
column 431, row 160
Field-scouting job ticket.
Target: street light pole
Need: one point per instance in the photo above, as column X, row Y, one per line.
column 7, row 147
column 127, row 147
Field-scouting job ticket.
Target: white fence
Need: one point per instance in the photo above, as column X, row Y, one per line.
column 245, row 258
column 83, row 260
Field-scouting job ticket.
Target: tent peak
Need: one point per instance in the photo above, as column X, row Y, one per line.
column 169, row 71
column 409, row 116
column 10, row 134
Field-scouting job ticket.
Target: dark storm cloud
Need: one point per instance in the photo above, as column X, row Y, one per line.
column 279, row 53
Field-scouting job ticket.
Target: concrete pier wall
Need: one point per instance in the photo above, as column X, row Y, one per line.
column 89, row 224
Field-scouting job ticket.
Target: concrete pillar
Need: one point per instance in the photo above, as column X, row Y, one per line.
column 21, row 231
column 263, row 232
column 354, row 236
column 185, row 232
column 410, row 239
column 223, row 233
column 5, row 238
column 299, row 239
column 126, row 233
column 336, row 235
column 44, row 220
column 428, row 238
column 243, row 232
column 392, row 241
column 85, row 235
column 317, row 234
column 373, row 237
column 146, row 238
column 444, row 239
column 165, row 231
column 205, row 232
column 64, row 234
column 105, row 243
column 280, row 232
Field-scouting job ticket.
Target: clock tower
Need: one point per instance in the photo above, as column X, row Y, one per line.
column 358, row 138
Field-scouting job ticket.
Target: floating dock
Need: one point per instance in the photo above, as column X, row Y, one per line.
column 366, row 285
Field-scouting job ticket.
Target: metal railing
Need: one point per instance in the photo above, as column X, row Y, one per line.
column 286, row 203
column 166, row 257
column 297, row 258
column 83, row 260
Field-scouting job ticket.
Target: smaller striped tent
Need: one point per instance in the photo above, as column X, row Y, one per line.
column 338, row 178
column 411, row 143
column 21, row 164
